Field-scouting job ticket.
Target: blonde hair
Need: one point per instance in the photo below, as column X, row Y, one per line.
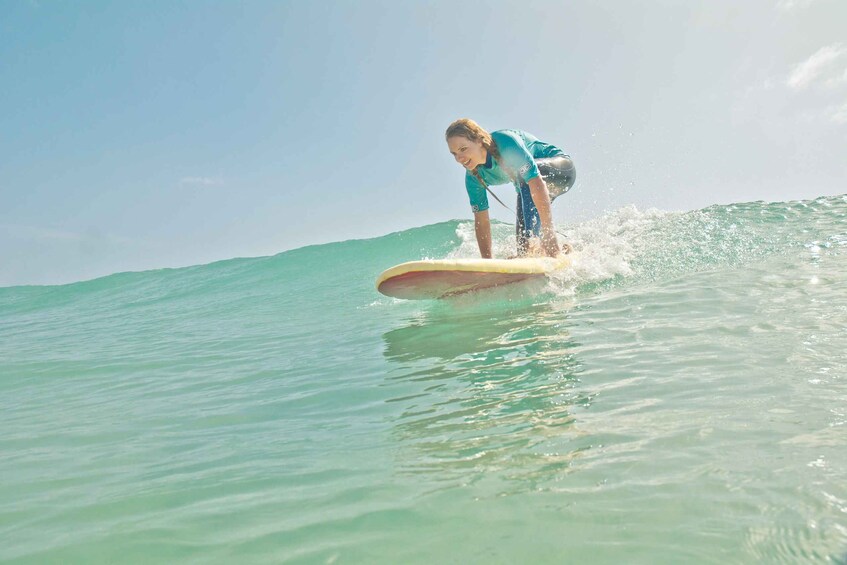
column 469, row 129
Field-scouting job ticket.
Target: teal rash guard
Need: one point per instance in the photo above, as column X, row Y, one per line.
column 516, row 165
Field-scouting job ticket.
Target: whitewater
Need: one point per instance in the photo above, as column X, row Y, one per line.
column 679, row 395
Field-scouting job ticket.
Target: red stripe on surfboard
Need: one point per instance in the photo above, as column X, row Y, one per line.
column 437, row 284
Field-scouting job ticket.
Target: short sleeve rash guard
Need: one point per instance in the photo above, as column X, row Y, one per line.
column 516, row 164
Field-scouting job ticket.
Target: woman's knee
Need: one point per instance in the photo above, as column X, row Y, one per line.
column 559, row 174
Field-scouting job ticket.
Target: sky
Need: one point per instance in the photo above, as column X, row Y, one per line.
column 137, row 135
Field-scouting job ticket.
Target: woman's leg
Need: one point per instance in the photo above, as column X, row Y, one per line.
column 527, row 223
column 559, row 173
column 520, row 236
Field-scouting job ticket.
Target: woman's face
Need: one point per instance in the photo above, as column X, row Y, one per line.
column 467, row 153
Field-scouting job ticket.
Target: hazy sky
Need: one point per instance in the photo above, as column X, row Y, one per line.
column 145, row 134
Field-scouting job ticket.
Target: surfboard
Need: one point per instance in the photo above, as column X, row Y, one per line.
column 441, row 278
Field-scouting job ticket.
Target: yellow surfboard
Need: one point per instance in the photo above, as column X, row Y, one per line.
column 440, row 278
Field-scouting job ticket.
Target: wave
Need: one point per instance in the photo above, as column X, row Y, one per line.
column 624, row 246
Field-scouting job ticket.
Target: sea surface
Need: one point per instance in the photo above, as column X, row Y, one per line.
column 678, row 396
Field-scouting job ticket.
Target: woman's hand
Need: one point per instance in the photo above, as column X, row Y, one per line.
column 541, row 199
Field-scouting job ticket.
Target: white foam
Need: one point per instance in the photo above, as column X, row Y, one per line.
column 604, row 246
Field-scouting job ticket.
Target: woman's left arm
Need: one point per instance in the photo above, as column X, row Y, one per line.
column 541, row 199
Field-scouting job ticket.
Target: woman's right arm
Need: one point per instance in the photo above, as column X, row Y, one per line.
column 482, row 226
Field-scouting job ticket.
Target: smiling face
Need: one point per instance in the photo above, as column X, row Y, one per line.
column 468, row 153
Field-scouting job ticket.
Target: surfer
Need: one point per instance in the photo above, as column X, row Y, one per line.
column 539, row 171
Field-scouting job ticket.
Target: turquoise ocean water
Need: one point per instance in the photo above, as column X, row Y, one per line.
column 679, row 396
